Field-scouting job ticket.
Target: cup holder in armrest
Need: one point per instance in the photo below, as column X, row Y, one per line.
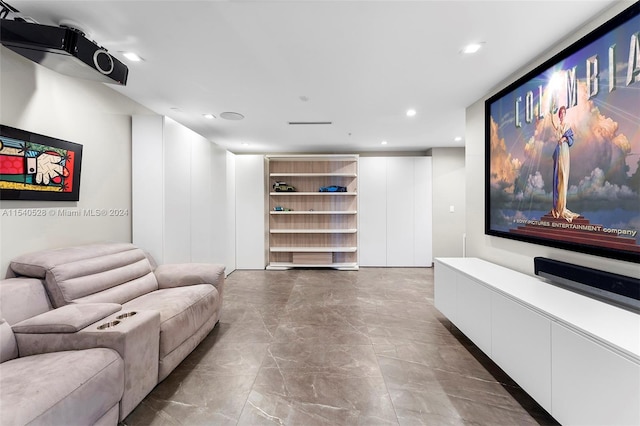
column 126, row 315
column 108, row 325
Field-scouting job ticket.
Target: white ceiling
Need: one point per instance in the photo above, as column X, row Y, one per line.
column 359, row 64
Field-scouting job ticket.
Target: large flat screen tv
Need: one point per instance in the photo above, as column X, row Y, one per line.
column 563, row 147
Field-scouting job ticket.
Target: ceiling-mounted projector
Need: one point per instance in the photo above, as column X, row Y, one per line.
column 62, row 49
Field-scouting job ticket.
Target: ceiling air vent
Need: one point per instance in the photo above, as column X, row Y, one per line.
column 305, row 123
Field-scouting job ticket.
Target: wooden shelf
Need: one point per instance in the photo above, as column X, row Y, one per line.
column 313, row 174
column 320, row 228
column 314, row 158
column 314, row 249
column 313, row 231
column 315, row 212
column 312, row 193
column 343, row 266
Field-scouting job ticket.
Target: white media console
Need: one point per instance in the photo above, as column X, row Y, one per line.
column 579, row 358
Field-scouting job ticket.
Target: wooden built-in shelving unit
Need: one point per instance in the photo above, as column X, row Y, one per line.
column 314, row 229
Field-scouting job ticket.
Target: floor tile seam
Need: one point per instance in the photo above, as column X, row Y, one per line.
column 295, row 324
column 456, row 373
column 430, row 414
column 295, row 338
column 440, row 333
column 479, row 379
column 519, row 409
column 168, row 417
column 303, row 406
column 352, row 408
column 204, row 372
column 387, row 309
column 395, row 358
column 326, row 374
column 402, row 316
column 514, row 410
column 328, row 344
column 393, row 340
column 357, row 322
column 243, row 291
column 266, row 327
column 161, row 412
column 268, row 416
column 386, row 386
column 184, row 404
column 253, row 384
column 314, row 323
column 404, row 329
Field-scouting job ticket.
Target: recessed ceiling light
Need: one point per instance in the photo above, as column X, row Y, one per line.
column 245, row 143
column 457, row 139
column 411, row 112
column 472, row 47
column 209, row 116
column 383, row 142
column 132, row 56
column 231, row 116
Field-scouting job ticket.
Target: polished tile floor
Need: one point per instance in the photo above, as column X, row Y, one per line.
column 325, row 347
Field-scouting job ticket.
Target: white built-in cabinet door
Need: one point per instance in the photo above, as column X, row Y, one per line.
column 422, row 212
column 251, row 235
column 400, row 212
column 592, row 385
column 147, row 193
column 521, row 346
column 177, row 198
column 372, row 211
column 473, row 314
column 395, row 211
column 179, row 193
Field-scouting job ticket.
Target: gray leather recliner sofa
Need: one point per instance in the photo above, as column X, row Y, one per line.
column 112, row 296
column 80, row 387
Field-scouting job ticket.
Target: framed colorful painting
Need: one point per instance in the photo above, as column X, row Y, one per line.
column 38, row 167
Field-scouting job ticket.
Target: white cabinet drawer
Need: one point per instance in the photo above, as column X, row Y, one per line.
column 592, row 385
column 521, row 346
column 473, row 315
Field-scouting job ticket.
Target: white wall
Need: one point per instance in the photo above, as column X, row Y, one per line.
column 39, row 100
column 509, row 253
column 448, row 190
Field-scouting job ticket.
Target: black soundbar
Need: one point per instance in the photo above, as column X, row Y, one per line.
column 615, row 289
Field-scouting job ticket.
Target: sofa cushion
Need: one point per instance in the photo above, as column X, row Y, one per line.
column 183, row 310
column 22, row 298
column 8, row 346
column 110, row 272
column 61, row 388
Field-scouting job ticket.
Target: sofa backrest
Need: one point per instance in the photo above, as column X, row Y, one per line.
column 8, row 346
column 20, row 299
column 108, row 272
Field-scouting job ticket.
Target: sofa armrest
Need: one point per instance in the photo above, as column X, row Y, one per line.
column 184, row 274
column 66, row 319
column 134, row 335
